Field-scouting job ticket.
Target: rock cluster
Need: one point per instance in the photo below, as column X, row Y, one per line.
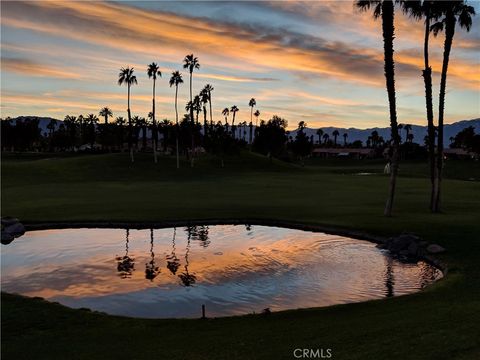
column 410, row 246
column 11, row 229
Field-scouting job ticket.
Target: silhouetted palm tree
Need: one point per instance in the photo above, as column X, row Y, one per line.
column 120, row 123
column 256, row 114
column 335, row 135
column 208, row 89
column 345, row 136
column 106, row 113
column 204, row 99
column 153, row 71
column 126, row 77
column 197, row 106
column 251, row 103
column 319, row 132
column 326, row 137
column 385, row 10
column 418, row 10
column 225, row 113
column 176, row 80
column 191, row 63
column 453, row 12
column 233, row 110
column 92, row 121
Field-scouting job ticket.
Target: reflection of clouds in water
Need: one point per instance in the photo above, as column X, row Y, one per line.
column 235, row 273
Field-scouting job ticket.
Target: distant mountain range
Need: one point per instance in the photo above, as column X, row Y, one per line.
column 418, row 131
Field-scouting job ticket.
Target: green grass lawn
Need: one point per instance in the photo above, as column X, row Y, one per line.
column 441, row 322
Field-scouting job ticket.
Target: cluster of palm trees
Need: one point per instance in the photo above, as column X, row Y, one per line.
column 194, row 106
column 438, row 16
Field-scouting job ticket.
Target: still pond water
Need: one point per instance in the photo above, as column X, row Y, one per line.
column 233, row 270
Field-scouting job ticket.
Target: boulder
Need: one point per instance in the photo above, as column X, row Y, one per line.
column 412, row 249
column 413, row 237
column 7, row 238
column 435, row 249
column 8, row 220
column 401, row 242
column 16, row 229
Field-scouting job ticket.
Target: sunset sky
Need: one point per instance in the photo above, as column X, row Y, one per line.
column 320, row 62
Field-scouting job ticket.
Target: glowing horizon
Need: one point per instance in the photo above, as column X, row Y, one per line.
column 299, row 60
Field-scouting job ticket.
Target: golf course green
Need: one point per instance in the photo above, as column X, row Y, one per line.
column 441, row 322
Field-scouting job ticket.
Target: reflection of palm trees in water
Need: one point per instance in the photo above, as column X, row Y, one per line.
column 199, row 233
column 187, row 278
column 173, row 263
column 389, row 279
column 151, row 271
column 125, row 264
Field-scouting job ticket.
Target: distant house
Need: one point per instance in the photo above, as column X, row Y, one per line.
column 359, row 153
column 459, row 153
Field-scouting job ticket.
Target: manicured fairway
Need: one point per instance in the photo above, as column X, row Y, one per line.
column 442, row 322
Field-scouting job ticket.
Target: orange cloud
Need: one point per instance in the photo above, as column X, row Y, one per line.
column 30, row 68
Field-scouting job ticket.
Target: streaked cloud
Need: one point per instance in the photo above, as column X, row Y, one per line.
column 318, row 60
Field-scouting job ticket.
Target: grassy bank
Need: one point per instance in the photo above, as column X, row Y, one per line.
column 439, row 323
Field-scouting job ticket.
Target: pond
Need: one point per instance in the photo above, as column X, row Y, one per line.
column 231, row 269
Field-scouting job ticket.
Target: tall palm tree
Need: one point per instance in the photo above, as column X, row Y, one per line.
column 385, row 10
column 234, row 109
column 191, row 63
column 345, row 136
column 426, row 9
column 176, row 79
column 251, row 103
column 153, row 71
column 453, row 12
column 335, row 135
column 225, row 113
column 106, row 113
column 208, row 89
column 126, row 77
column 204, row 99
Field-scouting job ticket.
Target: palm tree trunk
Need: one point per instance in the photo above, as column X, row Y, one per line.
column 205, row 121
column 210, row 103
column 192, row 122
column 176, row 127
column 449, row 33
column 154, row 129
column 388, row 29
column 427, row 77
column 130, row 148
